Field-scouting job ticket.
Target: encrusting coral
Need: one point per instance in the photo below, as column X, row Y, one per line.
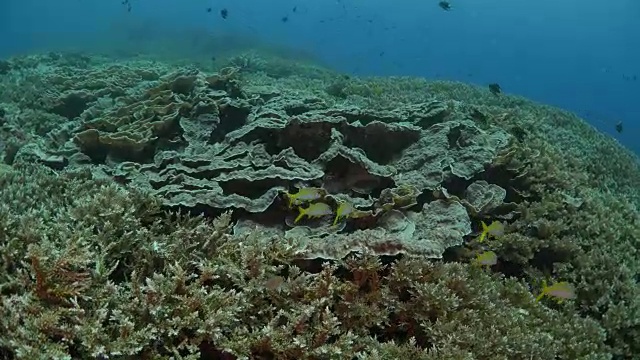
column 153, row 215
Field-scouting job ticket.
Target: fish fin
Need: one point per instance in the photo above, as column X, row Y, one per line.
column 482, row 236
column 335, row 221
column 300, row 215
column 540, row 296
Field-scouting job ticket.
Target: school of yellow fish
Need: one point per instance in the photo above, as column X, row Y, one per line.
column 345, row 209
column 559, row 291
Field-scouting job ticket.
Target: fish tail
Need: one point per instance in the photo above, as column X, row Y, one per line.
column 485, row 231
column 291, row 199
column 335, row 221
column 544, row 290
column 300, row 215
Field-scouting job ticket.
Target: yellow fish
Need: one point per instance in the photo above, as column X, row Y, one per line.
column 305, row 195
column 314, row 210
column 560, row 291
column 496, row 229
column 487, row 258
column 345, row 209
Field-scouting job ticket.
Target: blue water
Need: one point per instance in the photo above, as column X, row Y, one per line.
column 581, row 55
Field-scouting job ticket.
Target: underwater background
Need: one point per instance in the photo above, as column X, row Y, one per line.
column 582, row 56
column 319, row 180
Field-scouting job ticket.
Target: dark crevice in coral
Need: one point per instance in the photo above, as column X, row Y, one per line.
column 518, row 132
column 72, row 105
column 478, row 116
column 308, row 140
column 272, row 217
column 268, row 137
column 142, row 155
column 401, row 329
column 203, row 174
column 122, row 271
column 298, row 109
column 365, row 118
column 453, row 254
column 96, row 152
column 10, row 151
column 508, row 180
column 311, row 266
column 196, row 210
column 434, row 116
column 234, row 89
column 379, row 143
column 387, row 261
column 423, row 198
column 6, row 354
column 545, row 258
column 192, row 162
column 231, row 118
column 510, row 269
column 453, row 137
column 210, row 351
column 251, row 189
column 263, row 354
column 342, row 175
column 183, row 85
column 457, row 186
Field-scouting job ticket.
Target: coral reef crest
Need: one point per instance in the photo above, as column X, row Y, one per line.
column 154, row 210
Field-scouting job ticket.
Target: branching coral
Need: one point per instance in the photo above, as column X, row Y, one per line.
column 103, row 254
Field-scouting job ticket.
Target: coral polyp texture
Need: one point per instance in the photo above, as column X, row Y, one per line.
column 157, row 211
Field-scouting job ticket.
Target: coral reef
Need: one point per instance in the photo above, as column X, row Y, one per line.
column 147, row 212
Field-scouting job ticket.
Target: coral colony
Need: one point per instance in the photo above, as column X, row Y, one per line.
column 267, row 209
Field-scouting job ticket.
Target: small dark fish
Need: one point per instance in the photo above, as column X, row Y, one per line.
column 295, row 8
column 209, row 9
column 213, row 58
column 619, row 127
column 224, row 13
column 445, row 5
column 381, row 54
column 495, row 88
column 284, row 19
